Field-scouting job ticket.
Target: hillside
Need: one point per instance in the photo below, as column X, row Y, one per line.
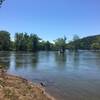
column 86, row 43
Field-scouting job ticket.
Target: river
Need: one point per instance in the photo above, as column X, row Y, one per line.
column 69, row 76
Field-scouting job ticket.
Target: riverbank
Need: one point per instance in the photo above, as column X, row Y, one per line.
column 16, row 88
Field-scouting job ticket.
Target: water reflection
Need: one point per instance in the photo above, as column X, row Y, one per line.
column 5, row 59
column 76, row 59
column 73, row 59
column 24, row 60
column 61, row 60
column 47, row 54
column 34, row 60
column 96, row 58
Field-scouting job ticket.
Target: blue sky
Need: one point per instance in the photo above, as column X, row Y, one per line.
column 51, row 19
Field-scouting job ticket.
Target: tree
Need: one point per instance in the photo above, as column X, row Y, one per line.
column 75, row 37
column 34, row 42
column 25, row 41
column 76, row 42
column 1, row 1
column 4, row 40
column 86, row 43
column 41, row 45
column 12, row 45
column 95, row 46
column 60, row 44
column 47, row 46
column 21, row 41
column 96, row 43
column 18, row 41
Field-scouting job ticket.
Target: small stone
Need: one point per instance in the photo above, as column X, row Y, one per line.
column 42, row 84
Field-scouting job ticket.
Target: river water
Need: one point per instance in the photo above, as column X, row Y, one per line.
column 69, row 76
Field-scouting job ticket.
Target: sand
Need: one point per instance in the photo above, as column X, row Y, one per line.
column 17, row 88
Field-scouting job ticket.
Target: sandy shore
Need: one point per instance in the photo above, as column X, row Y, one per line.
column 16, row 88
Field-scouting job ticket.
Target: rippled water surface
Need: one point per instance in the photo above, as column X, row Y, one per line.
column 69, row 76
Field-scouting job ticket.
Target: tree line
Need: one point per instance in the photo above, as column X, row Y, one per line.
column 32, row 42
column 29, row 42
column 86, row 43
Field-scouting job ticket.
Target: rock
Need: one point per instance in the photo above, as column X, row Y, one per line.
column 42, row 84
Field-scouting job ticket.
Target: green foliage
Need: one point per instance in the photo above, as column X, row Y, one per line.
column 4, row 40
column 12, row 45
column 95, row 46
column 34, row 42
column 1, row 1
column 26, row 42
column 21, row 40
column 60, row 44
column 87, row 43
column 76, row 43
column 45, row 45
column 48, row 46
column 41, row 45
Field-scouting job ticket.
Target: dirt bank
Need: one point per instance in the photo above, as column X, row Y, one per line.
column 16, row 88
